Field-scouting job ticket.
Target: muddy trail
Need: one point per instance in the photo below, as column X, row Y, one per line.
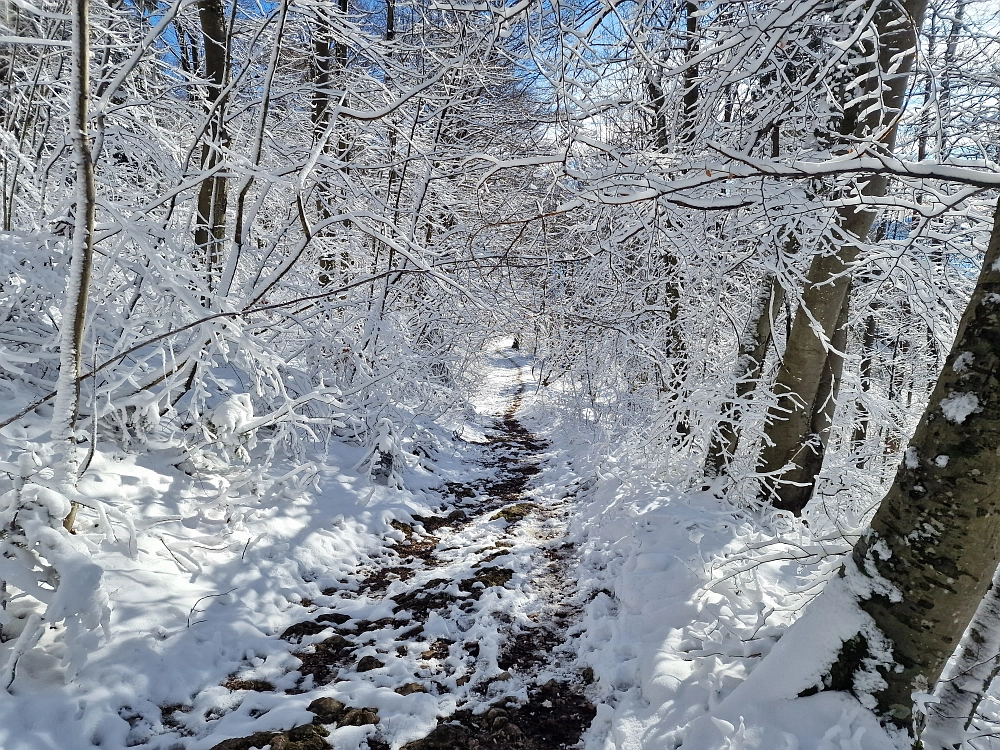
column 476, row 605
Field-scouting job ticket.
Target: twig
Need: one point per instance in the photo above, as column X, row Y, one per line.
column 207, row 319
column 170, row 552
column 13, row 672
column 207, row 596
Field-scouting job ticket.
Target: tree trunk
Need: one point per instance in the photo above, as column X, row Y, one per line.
column 829, row 384
column 332, row 266
column 340, row 50
column 689, row 105
column 950, row 52
column 860, row 434
column 753, row 352
column 963, row 685
column 809, row 459
column 74, row 311
column 210, row 229
column 657, row 103
column 243, row 224
column 797, row 385
column 689, row 97
column 322, row 75
column 936, row 536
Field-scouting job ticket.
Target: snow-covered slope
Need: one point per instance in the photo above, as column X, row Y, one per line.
column 199, row 588
column 687, row 622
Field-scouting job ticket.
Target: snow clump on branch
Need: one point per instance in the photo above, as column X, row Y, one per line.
column 47, row 576
column 231, row 414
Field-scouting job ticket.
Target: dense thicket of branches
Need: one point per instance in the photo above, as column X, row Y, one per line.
column 738, row 236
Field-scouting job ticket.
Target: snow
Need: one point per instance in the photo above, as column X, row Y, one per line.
column 199, row 595
column 679, row 663
column 687, row 628
column 963, row 361
column 232, row 414
column 957, row 406
column 200, row 581
column 228, row 490
column 687, row 602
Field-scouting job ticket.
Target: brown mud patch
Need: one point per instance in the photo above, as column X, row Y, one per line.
column 555, row 715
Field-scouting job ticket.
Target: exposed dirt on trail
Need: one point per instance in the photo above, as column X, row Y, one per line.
column 477, row 604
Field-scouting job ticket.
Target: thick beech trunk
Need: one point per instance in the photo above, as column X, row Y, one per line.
column 936, row 536
column 799, row 378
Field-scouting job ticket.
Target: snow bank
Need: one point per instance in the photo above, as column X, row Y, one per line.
column 686, row 603
column 688, row 613
column 201, row 579
column 204, row 568
column 688, row 636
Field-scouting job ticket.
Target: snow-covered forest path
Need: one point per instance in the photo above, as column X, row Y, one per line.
column 473, row 603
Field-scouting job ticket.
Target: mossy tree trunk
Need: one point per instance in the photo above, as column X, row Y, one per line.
column 936, row 536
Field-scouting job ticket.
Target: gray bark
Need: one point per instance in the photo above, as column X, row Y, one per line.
column 967, row 677
column 330, row 68
column 936, row 536
column 753, row 352
column 213, row 195
column 800, row 481
column 689, row 105
column 798, row 382
column 690, row 92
